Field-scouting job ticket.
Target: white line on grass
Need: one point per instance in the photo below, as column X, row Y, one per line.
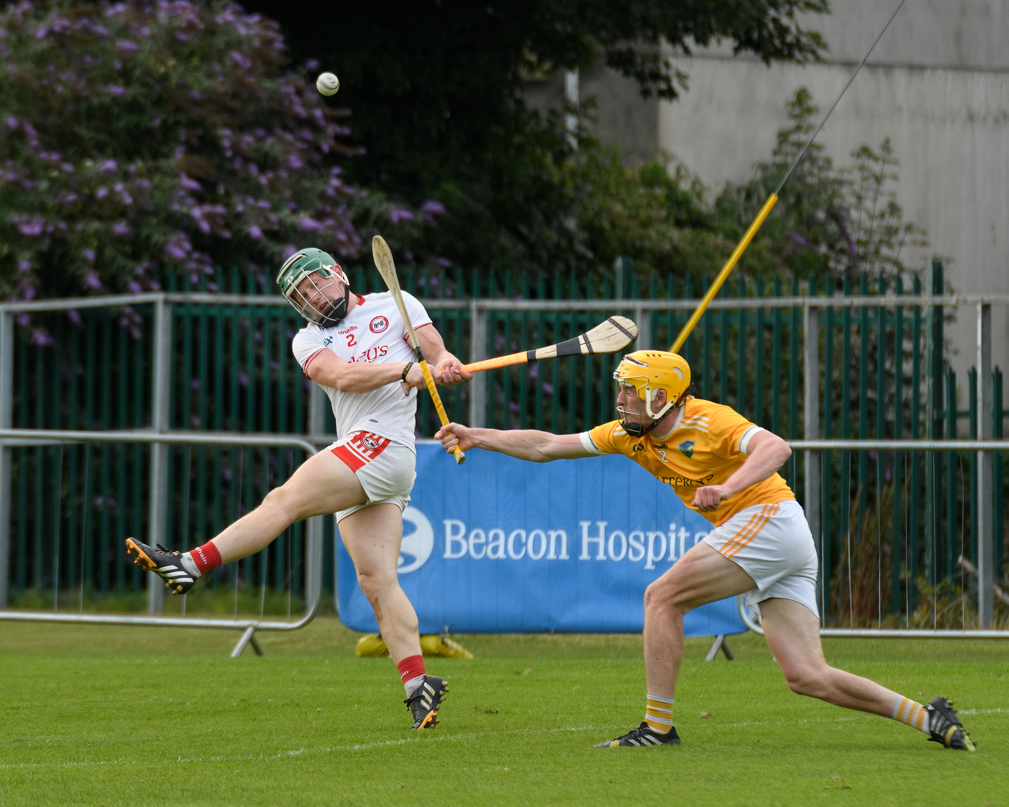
column 298, row 752
column 301, row 752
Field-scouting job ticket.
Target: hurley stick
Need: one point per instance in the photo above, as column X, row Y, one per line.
column 607, row 337
column 387, row 268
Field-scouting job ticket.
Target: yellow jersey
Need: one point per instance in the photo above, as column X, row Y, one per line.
column 707, row 445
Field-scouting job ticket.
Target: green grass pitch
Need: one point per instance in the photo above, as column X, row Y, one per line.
column 98, row 715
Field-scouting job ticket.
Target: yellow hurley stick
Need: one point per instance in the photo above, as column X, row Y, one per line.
column 726, row 271
column 387, row 268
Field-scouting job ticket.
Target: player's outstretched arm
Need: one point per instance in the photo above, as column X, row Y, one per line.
column 524, row 444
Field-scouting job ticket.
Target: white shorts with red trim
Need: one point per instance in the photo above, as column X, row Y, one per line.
column 385, row 468
column 771, row 543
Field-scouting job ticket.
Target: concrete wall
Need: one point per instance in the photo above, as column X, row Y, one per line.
column 936, row 85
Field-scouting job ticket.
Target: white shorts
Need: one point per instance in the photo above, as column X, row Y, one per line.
column 385, row 469
column 771, row 543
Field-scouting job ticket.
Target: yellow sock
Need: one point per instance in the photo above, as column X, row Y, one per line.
column 908, row 711
column 659, row 713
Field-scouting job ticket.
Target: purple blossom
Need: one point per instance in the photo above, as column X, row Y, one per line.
column 101, row 193
column 126, row 46
column 398, row 214
column 25, row 266
column 116, row 91
column 120, row 229
column 432, row 208
column 134, row 287
column 255, row 233
column 89, row 255
column 309, row 224
column 202, row 223
column 92, row 281
column 178, row 247
column 27, row 291
column 241, row 60
column 41, row 339
column 11, row 121
column 30, row 225
column 243, row 379
column 24, row 320
column 74, row 316
column 189, row 184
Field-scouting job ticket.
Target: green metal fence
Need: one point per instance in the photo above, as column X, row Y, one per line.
column 894, row 524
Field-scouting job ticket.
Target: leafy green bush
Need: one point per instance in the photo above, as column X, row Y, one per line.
column 140, row 137
column 828, row 223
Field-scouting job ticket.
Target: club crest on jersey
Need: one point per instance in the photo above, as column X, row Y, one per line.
column 369, row 441
column 378, row 324
column 687, row 448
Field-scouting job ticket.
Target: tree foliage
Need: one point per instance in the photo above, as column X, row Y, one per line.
column 436, row 89
column 829, row 222
column 135, row 137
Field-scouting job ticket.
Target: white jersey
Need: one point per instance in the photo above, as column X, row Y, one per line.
column 372, row 332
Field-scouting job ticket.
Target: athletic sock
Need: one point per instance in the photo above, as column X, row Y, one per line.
column 412, row 672
column 908, row 711
column 659, row 713
column 202, row 559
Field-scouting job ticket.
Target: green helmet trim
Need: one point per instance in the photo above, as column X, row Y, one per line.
column 302, row 264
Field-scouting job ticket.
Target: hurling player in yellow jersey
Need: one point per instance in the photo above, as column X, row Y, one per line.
column 725, row 468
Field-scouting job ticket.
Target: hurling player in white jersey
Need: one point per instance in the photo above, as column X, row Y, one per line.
column 725, row 468
column 354, row 347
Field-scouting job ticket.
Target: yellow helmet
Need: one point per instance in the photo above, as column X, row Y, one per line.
column 648, row 371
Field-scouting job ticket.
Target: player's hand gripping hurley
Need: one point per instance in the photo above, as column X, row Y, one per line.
column 387, row 268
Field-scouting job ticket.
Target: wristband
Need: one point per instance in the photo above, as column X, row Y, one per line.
column 406, row 370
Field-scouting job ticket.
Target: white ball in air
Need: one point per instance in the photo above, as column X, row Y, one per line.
column 327, row 84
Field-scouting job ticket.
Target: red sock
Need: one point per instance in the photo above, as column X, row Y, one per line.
column 410, row 668
column 206, row 557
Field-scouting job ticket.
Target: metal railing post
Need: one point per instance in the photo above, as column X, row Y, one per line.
column 985, row 553
column 478, row 343
column 160, row 408
column 644, row 322
column 811, row 421
column 6, row 421
column 317, row 404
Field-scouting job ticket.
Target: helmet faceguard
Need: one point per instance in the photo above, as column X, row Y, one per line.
column 649, row 371
column 322, row 271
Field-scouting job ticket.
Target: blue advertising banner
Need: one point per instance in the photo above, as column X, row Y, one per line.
column 500, row 545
